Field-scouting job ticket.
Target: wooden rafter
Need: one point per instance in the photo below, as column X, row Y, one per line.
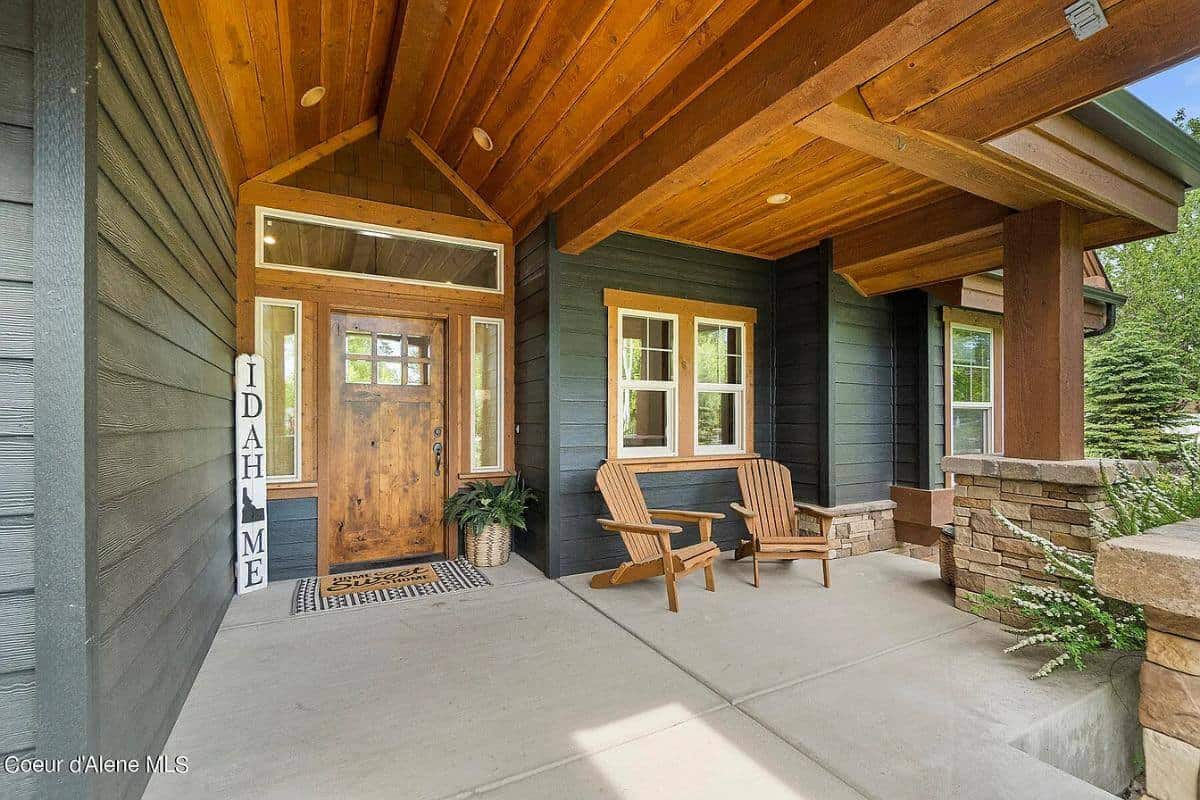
column 806, row 64
column 317, row 152
column 455, row 179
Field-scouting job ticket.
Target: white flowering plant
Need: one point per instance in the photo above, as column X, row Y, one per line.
column 1072, row 617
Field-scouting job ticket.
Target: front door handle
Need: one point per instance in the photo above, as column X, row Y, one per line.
column 437, row 455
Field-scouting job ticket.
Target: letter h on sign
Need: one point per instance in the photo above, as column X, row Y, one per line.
column 251, row 459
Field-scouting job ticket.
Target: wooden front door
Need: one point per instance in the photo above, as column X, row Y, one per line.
column 386, row 477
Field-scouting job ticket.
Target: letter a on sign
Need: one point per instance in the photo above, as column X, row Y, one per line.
column 250, row 458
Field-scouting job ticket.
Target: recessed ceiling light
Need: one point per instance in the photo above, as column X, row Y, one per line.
column 312, row 96
column 269, row 239
column 482, row 139
column 779, row 199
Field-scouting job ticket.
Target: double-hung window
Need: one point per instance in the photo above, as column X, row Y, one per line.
column 680, row 380
column 647, row 385
column 720, row 386
column 972, row 401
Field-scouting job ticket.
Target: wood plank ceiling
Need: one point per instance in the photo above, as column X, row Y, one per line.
column 573, row 92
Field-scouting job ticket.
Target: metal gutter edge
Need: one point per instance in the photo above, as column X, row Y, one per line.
column 1137, row 127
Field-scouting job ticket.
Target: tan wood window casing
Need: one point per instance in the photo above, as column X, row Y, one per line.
column 663, row 373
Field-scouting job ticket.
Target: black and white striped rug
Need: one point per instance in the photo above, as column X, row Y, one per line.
column 458, row 575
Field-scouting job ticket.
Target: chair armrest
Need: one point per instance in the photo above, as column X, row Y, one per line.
column 743, row 512
column 637, row 527
column 685, row 516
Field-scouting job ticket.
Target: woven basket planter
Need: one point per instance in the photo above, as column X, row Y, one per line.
column 490, row 547
column 946, row 557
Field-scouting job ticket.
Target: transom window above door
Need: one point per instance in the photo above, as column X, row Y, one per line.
column 310, row 243
column 399, row 360
column 680, row 378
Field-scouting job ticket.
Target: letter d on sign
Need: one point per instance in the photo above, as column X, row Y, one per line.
column 250, row 458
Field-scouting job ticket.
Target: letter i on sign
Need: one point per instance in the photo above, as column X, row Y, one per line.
column 250, row 462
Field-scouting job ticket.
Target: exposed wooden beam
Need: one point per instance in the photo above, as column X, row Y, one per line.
column 317, row 152
column 829, row 47
column 1143, row 37
column 420, row 31
column 945, row 241
column 448, row 172
column 1043, row 287
column 1066, row 161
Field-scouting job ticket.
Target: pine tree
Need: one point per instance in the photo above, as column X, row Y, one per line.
column 1134, row 393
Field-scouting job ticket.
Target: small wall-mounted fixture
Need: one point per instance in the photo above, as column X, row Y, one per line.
column 1086, row 17
column 481, row 138
column 312, row 96
column 269, row 239
column 779, row 199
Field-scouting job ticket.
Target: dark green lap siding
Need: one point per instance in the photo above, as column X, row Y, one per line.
column 18, row 678
column 639, row 264
column 863, row 394
column 165, row 353
column 537, row 439
column 292, row 538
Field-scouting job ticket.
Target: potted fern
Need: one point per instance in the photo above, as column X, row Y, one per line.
column 487, row 513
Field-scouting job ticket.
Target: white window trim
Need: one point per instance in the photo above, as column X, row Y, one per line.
column 499, row 465
column 738, row 389
column 298, row 310
column 990, row 405
column 262, row 212
column 671, row 387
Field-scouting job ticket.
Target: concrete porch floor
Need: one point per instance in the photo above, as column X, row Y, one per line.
column 875, row 688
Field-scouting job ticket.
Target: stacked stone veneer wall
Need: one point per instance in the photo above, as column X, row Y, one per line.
column 1054, row 499
column 1160, row 571
column 856, row 528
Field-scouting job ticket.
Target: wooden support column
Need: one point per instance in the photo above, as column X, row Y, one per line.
column 1043, row 340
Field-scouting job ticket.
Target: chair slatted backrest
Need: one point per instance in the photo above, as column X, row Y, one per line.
column 625, row 503
column 767, row 488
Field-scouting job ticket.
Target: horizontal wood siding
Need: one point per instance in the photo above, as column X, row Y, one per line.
column 18, row 677
column 537, row 440
column 291, row 538
column 800, row 345
column 165, row 485
column 910, row 425
column 863, row 394
column 640, row 264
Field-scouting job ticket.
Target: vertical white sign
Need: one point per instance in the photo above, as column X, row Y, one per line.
column 251, row 465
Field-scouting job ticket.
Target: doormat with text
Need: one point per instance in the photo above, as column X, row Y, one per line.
column 353, row 589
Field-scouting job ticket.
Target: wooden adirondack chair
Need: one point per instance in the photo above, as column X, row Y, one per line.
column 648, row 542
column 770, row 513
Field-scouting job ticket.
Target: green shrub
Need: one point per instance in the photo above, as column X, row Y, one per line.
column 1133, row 394
column 1072, row 617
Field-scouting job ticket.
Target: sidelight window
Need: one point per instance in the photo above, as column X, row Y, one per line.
column 487, row 394
column 278, row 342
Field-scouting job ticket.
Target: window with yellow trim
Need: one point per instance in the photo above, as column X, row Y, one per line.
column 680, row 378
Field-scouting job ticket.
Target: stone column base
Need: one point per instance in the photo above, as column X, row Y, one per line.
column 1054, row 499
column 855, row 529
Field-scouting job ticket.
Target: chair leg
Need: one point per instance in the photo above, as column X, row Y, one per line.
column 672, row 599
column 710, row 578
column 756, row 569
column 825, row 571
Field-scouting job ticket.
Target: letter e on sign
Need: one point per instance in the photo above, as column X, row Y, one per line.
column 250, row 461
